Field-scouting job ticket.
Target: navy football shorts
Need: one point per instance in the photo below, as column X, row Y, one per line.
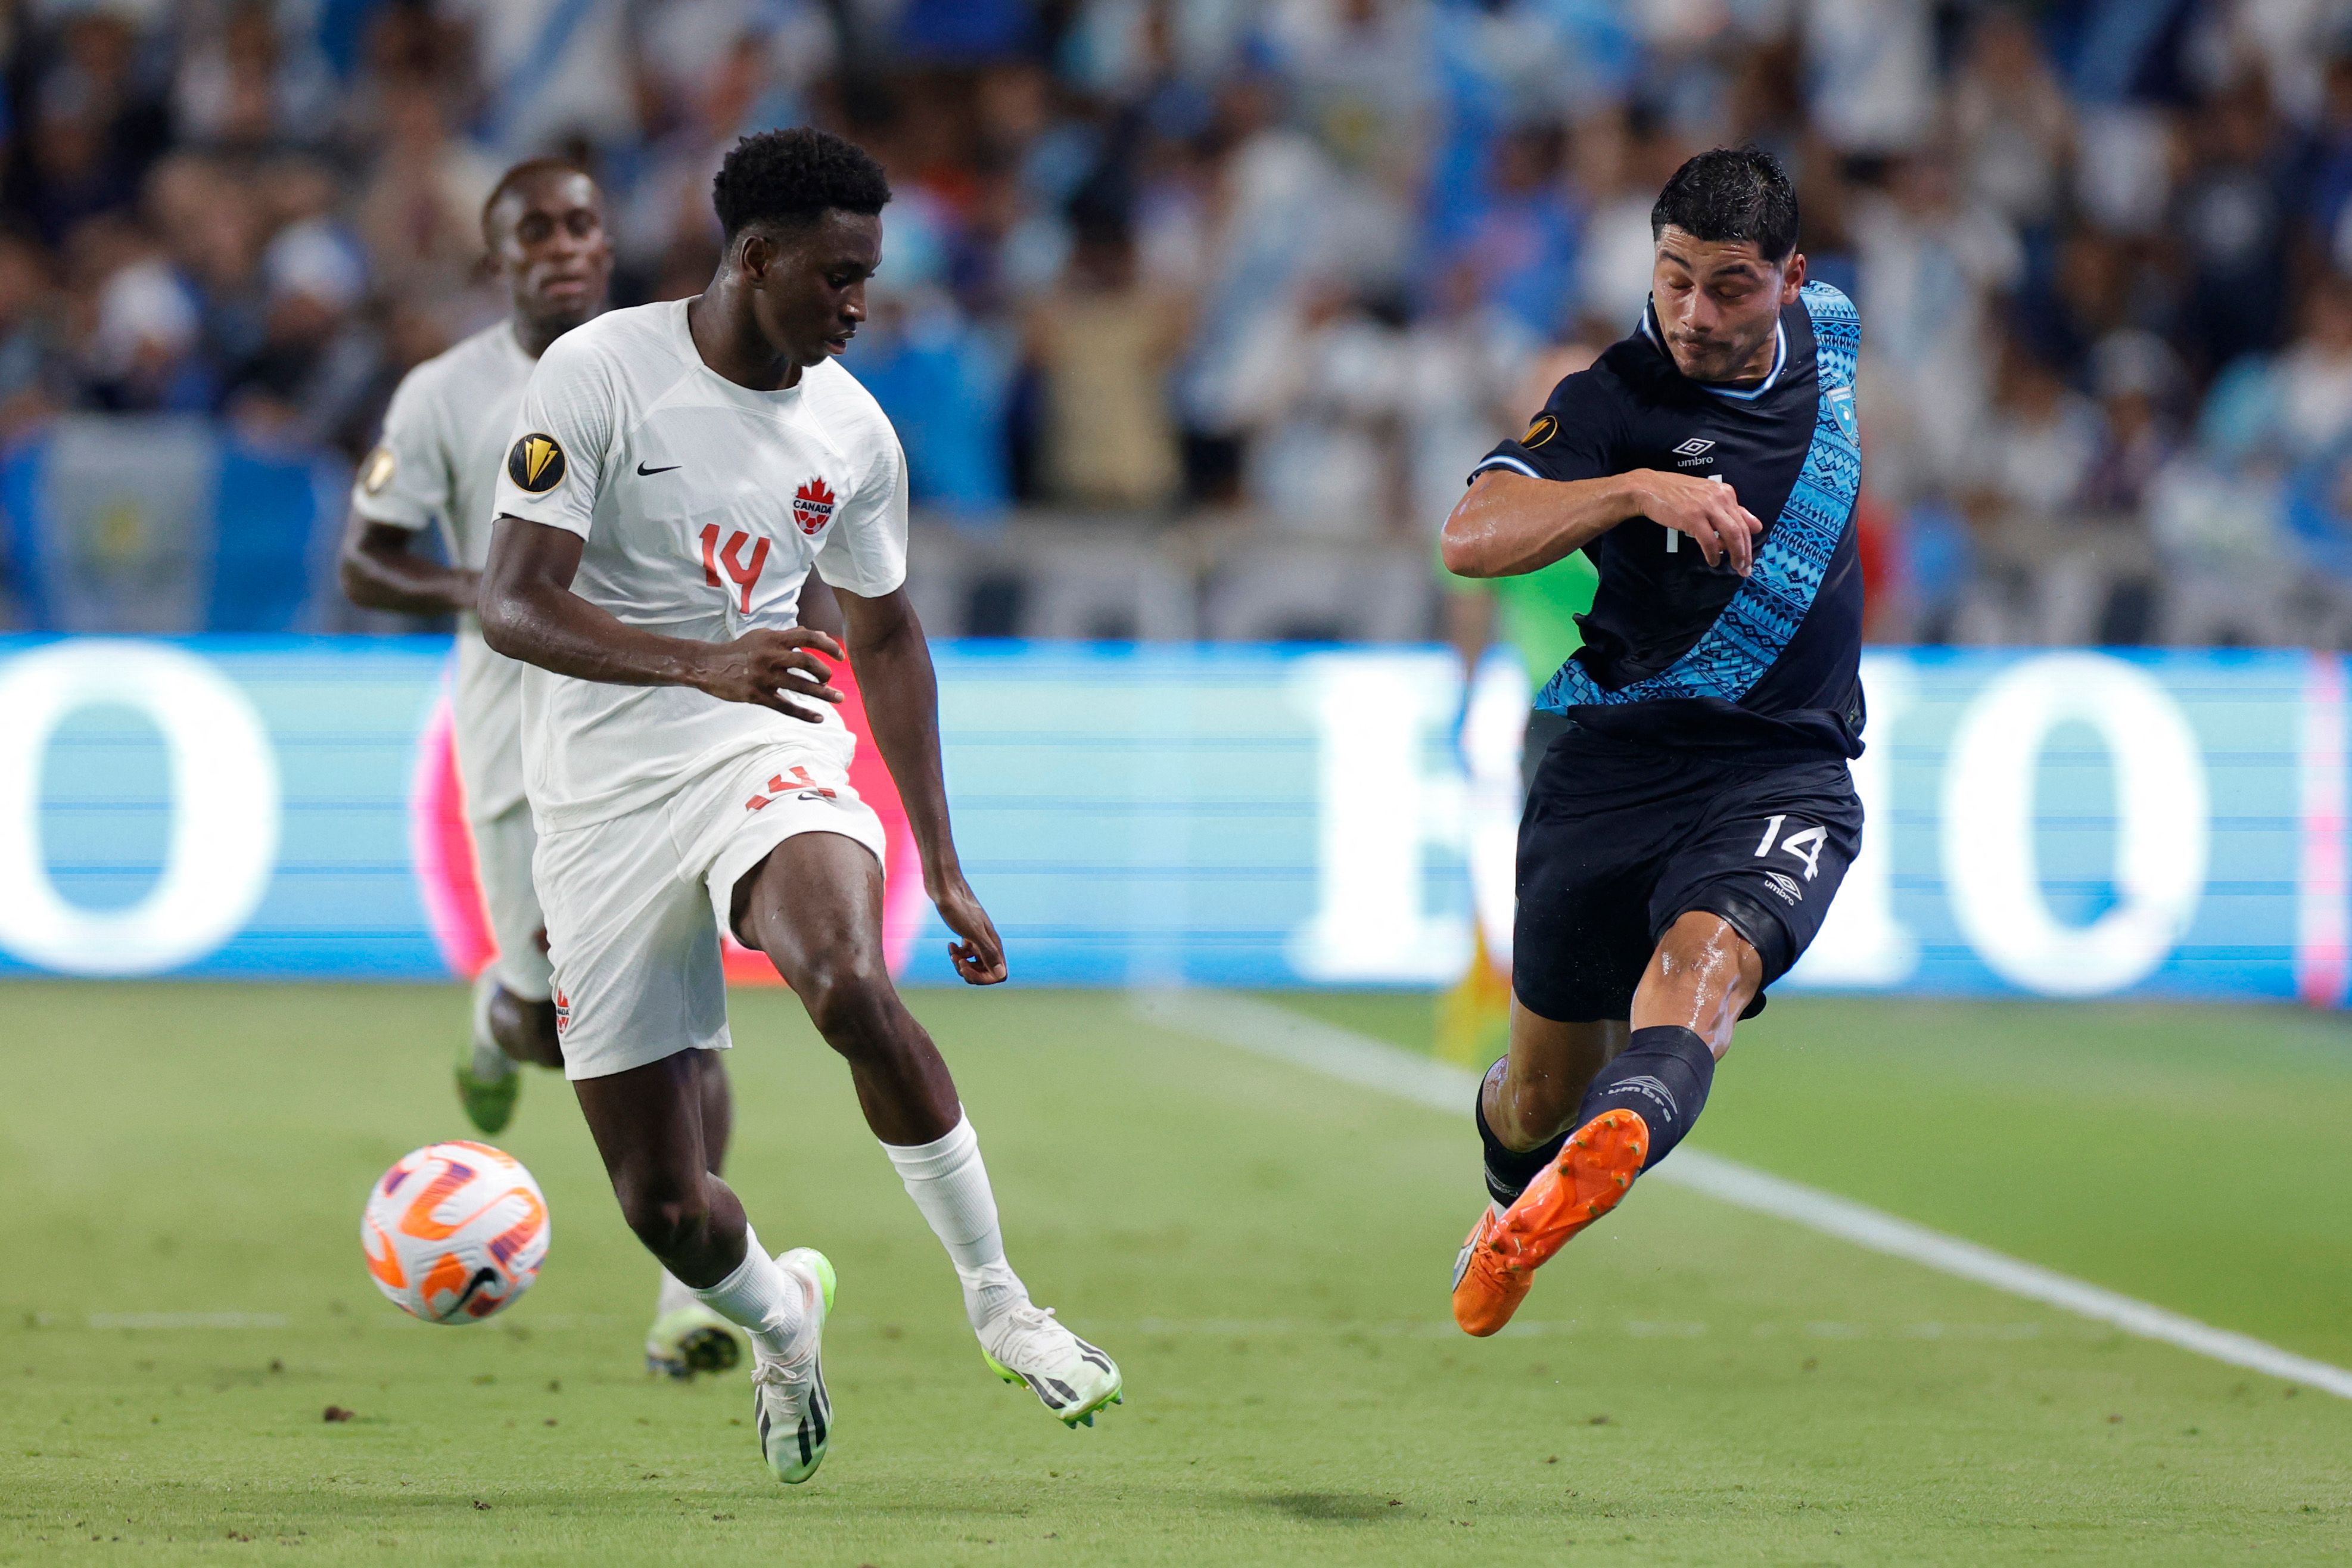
column 1621, row 840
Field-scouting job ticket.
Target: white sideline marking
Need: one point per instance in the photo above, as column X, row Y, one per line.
column 1276, row 1032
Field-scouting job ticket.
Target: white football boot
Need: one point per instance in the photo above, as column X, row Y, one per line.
column 795, row 1413
column 1074, row 1380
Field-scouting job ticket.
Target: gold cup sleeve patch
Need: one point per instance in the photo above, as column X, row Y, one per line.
column 376, row 472
column 1542, row 430
column 536, row 464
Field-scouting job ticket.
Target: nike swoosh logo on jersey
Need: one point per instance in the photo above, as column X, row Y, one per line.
column 642, row 471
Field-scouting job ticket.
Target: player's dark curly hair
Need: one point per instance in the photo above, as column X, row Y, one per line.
column 1729, row 194
column 791, row 177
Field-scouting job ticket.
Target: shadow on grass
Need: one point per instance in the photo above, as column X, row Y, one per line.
column 1334, row 1508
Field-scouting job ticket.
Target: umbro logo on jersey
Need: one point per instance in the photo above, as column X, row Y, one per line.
column 813, row 506
column 1693, row 448
column 644, row 472
column 536, row 464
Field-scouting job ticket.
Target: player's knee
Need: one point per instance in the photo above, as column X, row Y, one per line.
column 849, row 1000
column 1703, row 973
column 669, row 1216
column 525, row 1030
column 1528, row 1113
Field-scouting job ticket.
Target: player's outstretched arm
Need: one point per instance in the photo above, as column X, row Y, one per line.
column 529, row 612
column 379, row 572
column 902, row 709
column 1507, row 523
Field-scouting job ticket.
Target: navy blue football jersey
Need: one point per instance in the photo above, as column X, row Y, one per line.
column 1680, row 654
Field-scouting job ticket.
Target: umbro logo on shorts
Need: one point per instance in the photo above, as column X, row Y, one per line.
column 1786, row 886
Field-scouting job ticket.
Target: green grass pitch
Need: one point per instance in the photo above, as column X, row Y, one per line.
column 1265, row 1251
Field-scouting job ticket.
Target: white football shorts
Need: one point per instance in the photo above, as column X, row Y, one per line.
column 636, row 903
column 503, row 847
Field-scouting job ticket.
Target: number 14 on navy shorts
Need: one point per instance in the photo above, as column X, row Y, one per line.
column 1621, row 840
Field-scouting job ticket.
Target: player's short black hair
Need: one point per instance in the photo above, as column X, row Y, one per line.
column 521, row 174
column 793, row 177
column 1729, row 194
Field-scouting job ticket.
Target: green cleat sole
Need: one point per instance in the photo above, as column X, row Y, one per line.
column 1083, row 1416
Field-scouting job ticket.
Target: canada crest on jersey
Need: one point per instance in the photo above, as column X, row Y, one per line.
column 813, row 506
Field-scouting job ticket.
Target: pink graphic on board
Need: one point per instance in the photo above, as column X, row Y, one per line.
column 2323, row 944
column 441, row 850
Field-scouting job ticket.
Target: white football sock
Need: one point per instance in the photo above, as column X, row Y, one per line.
column 491, row 1062
column 950, row 1183
column 674, row 1293
column 766, row 1302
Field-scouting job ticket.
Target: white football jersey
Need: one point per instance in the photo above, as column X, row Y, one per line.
column 445, row 436
column 704, row 504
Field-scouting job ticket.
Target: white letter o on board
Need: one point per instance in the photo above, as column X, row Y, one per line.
column 223, row 795
column 2161, row 824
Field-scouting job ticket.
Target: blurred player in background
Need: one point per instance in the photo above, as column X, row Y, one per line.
column 1687, row 830
column 445, row 436
column 676, row 471
column 1536, row 614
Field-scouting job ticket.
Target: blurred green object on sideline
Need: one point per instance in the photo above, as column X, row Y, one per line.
column 1536, row 614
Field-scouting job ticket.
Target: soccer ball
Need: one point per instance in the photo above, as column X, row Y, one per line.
column 454, row 1232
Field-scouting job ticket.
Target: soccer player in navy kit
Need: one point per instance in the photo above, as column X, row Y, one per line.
column 1685, row 836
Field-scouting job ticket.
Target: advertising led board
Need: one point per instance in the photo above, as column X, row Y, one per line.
column 2060, row 824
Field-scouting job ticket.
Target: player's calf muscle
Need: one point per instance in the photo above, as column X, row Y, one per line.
column 1550, row 1065
column 689, row 1219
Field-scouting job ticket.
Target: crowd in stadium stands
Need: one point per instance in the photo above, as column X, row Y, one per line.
column 1277, row 270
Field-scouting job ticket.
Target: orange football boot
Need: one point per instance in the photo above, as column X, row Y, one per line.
column 1596, row 1167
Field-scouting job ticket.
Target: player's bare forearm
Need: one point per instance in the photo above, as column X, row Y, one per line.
column 893, row 660
column 1506, row 524
column 902, row 711
column 379, row 572
column 529, row 612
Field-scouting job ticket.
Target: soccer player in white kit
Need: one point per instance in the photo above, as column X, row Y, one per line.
column 676, row 472
column 445, row 436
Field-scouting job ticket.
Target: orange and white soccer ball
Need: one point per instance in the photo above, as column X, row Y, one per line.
column 454, row 1232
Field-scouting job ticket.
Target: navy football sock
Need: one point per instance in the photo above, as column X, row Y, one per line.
column 1508, row 1170
column 1664, row 1073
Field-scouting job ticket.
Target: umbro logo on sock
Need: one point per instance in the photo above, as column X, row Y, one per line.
column 1653, row 1089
